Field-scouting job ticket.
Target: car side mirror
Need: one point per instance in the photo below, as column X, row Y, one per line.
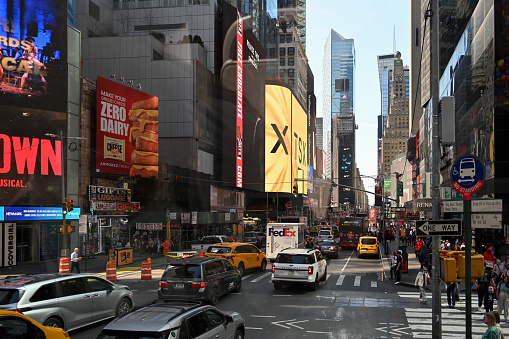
column 229, row 318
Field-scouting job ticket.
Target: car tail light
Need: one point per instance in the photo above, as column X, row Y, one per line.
column 273, row 268
column 257, row 239
column 199, row 284
column 310, row 270
column 163, row 283
column 330, row 237
column 317, row 247
column 334, row 248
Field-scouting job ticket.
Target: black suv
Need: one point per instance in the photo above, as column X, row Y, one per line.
column 199, row 278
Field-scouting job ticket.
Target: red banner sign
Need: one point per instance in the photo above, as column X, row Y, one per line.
column 239, row 129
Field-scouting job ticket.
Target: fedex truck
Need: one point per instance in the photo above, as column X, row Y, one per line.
column 283, row 235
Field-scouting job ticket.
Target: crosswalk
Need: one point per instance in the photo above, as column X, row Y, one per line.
column 453, row 319
column 337, row 279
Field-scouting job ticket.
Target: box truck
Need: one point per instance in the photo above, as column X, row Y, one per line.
column 283, row 235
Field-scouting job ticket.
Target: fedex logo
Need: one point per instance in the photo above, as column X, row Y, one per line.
column 285, row 232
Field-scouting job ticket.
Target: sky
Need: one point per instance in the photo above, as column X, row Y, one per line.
column 371, row 23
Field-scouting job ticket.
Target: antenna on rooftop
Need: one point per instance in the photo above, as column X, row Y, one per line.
column 394, row 41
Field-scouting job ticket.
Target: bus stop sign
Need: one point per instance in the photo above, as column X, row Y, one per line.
column 467, row 175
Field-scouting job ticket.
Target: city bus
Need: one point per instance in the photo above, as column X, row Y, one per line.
column 350, row 230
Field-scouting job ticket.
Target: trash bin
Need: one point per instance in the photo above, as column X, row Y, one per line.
column 122, row 255
column 404, row 256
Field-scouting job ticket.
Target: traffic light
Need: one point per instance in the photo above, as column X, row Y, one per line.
column 477, row 266
column 295, row 190
column 64, row 207
column 70, row 205
column 448, row 269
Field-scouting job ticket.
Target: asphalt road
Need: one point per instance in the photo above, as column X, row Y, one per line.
column 352, row 303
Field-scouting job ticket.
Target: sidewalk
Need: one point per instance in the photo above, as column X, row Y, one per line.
column 407, row 279
column 95, row 265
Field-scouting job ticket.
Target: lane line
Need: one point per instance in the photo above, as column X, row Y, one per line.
column 254, row 328
column 262, row 316
column 318, row 332
column 328, row 276
column 261, row 277
column 346, row 263
column 247, row 276
column 357, row 281
column 340, row 280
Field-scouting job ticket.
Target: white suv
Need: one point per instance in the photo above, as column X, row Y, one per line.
column 324, row 235
column 299, row 265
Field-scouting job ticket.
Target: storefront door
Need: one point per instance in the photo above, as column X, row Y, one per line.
column 24, row 239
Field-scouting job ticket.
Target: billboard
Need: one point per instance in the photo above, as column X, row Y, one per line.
column 285, row 140
column 127, row 130
column 30, row 161
column 33, row 54
column 241, row 138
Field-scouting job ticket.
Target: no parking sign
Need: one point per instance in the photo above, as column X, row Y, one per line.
column 468, row 176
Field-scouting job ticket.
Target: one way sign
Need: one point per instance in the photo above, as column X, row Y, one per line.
column 438, row 227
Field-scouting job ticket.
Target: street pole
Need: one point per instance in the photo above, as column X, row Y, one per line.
column 467, row 209
column 65, row 251
column 436, row 322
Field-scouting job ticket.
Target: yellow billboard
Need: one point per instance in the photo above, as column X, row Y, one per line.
column 285, row 140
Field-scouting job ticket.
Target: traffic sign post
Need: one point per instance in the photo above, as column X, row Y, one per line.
column 438, row 227
column 468, row 178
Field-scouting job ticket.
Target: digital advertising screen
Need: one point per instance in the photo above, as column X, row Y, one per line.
column 33, row 54
column 127, row 130
column 30, row 160
column 299, row 145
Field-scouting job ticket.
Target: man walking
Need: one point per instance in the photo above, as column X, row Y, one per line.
column 75, row 261
column 399, row 263
column 422, row 281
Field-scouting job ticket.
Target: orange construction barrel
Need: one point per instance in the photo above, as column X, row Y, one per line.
column 64, row 265
column 111, row 271
column 146, row 270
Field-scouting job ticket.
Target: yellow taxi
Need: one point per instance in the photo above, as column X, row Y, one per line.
column 17, row 325
column 242, row 255
column 367, row 246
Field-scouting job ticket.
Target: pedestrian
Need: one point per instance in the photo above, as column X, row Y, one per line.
column 422, row 253
column 503, row 296
column 452, row 289
column 489, row 298
column 489, row 257
column 498, row 270
column 422, row 281
column 75, row 260
column 394, row 263
column 481, row 286
column 497, row 320
column 399, row 263
column 492, row 331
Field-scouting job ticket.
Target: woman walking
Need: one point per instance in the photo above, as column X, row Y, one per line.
column 503, row 296
column 492, row 331
column 422, row 281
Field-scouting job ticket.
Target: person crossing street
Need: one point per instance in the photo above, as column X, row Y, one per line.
column 75, row 261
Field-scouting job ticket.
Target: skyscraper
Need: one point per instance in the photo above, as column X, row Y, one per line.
column 294, row 11
column 339, row 115
column 385, row 66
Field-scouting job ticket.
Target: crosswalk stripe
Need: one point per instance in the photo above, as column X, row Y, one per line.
column 328, row 276
column 261, row 277
column 340, row 280
column 357, row 281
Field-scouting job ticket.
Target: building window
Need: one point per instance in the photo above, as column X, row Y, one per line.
column 288, row 38
column 282, row 51
column 291, row 72
column 281, row 73
column 93, row 10
column 291, row 50
column 281, row 61
column 290, row 61
column 291, row 82
column 282, row 38
column 272, row 52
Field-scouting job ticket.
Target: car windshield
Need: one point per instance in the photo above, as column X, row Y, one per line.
column 313, row 233
column 109, row 334
column 250, row 235
column 218, row 249
column 284, row 258
column 324, row 233
column 368, row 241
column 183, row 271
column 9, row 296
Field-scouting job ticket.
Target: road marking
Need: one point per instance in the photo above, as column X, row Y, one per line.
column 318, row 332
column 263, row 316
column 328, row 276
column 261, row 277
column 247, row 276
column 336, row 319
column 374, row 284
column 357, row 281
column 290, row 322
column 340, row 280
column 282, row 295
column 346, row 263
column 254, row 328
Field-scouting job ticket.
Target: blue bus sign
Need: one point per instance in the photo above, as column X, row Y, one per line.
column 467, row 175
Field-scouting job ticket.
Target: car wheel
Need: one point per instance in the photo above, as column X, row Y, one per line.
column 241, row 268
column 314, row 285
column 263, row 265
column 238, row 285
column 278, row 286
column 214, row 298
column 324, row 278
column 53, row 322
column 239, row 334
column 123, row 307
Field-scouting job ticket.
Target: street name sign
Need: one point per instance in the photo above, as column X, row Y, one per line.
column 438, row 227
column 487, row 220
column 397, row 209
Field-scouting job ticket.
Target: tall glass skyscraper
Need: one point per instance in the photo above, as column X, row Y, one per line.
column 385, row 67
column 339, row 115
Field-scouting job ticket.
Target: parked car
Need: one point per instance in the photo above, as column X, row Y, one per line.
column 297, row 265
column 18, row 325
column 367, row 246
column 206, row 241
column 328, row 248
column 68, row 301
column 255, row 238
column 176, row 319
column 199, row 278
column 244, row 256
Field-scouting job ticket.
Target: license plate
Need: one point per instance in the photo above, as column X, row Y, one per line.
column 291, row 272
column 178, row 285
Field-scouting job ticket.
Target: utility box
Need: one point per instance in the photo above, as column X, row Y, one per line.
column 477, row 270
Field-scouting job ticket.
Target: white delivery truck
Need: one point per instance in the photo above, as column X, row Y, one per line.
column 283, row 235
